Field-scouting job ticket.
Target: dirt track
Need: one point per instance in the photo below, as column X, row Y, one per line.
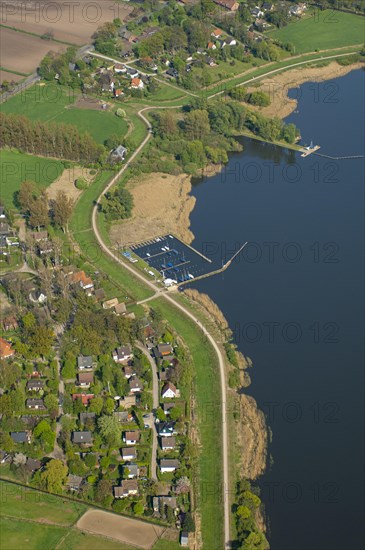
column 127, row 530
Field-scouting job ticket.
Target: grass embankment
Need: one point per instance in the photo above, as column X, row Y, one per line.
column 17, row 167
column 54, row 103
column 324, row 30
column 209, row 496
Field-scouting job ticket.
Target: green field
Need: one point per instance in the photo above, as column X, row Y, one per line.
column 52, row 102
column 17, row 167
column 324, row 30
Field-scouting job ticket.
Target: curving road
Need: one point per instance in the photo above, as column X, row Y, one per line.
column 168, row 297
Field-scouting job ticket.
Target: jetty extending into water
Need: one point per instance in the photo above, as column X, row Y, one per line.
column 216, row 271
column 309, row 151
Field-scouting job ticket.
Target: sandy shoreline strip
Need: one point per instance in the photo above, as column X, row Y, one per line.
column 277, row 86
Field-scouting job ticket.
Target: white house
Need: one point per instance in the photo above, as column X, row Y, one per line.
column 137, row 84
column 169, row 465
column 131, row 438
column 169, row 391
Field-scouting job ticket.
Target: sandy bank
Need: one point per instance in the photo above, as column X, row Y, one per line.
column 162, row 204
column 277, row 86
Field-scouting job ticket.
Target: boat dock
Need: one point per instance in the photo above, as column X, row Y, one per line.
column 309, row 151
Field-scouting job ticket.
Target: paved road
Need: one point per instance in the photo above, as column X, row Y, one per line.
column 156, row 401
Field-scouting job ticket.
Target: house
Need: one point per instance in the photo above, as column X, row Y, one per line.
column 74, row 482
column 82, row 280
column 256, row 12
column 169, row 391
column 114, row 301
column 85, row 397
column 6, row 349
column 211, row 46
column 166, row 429
column 132, row 438
column 82, row 438
column 267, row 6
column 123, row 416
column 33, row 465
column 132, row 73
column 167, row 406
column 20, row 437
column 164, row 350
column 118, row 92
column 159, row 503
column 117, row 155
column 172, row 72
column 129, row 453
column 168, row 443
column 129, row 36
column 184, row 539
column 217, row 33
column 84, row 362
column 4, row 457
column 169, row 465
column 230, row 41
column 120, row 309
column 4, row 229
column 210, row 61
column 128, row 372
column 2, row 213
column 37, row 297
column 132, row 470
column 85, row 379
column 119, row 68
column 135, row 384
column 107, row 82
column 127, row 402
column 34, row 385
column 127, row 488
column 86, row 416
column 10, row 323
column 100, row 294
column 201, row 51
column 122, row 354
column 39, row 236
column 230, row 5
column 137, row 84
column 35, row 404
column 298, row 10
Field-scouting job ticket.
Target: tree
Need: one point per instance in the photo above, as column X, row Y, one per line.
column 175, row 413
column 62, row 209
column 41, row 340
column 103, row 490
column 189, row 524
column 42, row 427
column 96, row 405
column 160, row 414
column 54, row 476
column 26, row 195
column 19, row 459
column 68, row 369
column 90, row 460
column 51, row 402
column 138, row 508
column 182, row 485
column 38, row 210
column 197, row 124
column 243, row 512
column 6, row 442
column 109, row 429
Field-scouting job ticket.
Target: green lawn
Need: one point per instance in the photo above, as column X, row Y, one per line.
column 17, row 167
column 324, row 30
column 24, row 502
column 16, row 534
column 52, row 102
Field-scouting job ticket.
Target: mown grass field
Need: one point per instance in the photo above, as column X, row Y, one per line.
column 324, row 30
column 17, row 167
column 54, row 103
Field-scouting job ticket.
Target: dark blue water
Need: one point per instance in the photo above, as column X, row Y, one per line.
column 295, row 301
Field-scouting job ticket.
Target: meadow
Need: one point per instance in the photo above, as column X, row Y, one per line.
column 324, row 30
column 17, row 167
column 53, row 103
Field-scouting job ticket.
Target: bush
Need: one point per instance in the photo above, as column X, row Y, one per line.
column 81, row 183
column 120, row 113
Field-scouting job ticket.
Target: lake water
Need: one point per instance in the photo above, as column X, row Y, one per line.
column 294, row 299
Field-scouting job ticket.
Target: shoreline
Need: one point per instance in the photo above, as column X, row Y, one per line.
column 278, row 86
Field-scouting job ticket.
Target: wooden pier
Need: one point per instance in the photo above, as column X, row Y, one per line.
column 310, row 151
